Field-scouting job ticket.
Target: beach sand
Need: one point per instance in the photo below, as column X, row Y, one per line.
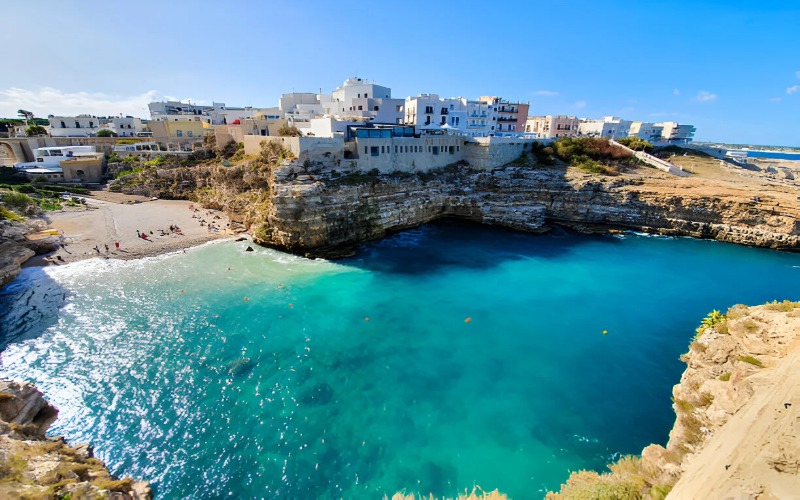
column 111, row 217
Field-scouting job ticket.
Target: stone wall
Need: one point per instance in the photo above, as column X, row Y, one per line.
column 488, row 153
column 409, row 154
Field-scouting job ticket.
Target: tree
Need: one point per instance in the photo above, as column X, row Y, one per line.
column 35, row 130
column 289, row 131
column 27, row 115
column 104, row 132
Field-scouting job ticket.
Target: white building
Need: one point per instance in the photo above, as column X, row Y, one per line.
column 429, row 112
column 481, row 118
column 650, row 132
column 74, row 126
column 609, row 127
column 124, row 126
column 359, row 98
column 675, row 133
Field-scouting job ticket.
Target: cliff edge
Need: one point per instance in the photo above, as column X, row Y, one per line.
column 33, row 465
column 737, row 408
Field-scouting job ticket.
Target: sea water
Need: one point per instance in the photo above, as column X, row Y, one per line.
column 438, row 359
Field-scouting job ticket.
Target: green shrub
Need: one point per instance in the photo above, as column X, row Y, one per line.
column 636, row 143
column 714, row 318
column 725, row 376
column 19, row 202
column 750, row 359
column 785, row 306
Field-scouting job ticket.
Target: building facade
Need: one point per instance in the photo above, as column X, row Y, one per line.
column 74, row 126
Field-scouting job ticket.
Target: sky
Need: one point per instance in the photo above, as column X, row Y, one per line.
column 731, row 68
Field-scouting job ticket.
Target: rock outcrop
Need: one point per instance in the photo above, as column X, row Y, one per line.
column 35, row 466
column 16, row 248
column 736, row 406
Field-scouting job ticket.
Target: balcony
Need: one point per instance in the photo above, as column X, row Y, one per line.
column 507, row 118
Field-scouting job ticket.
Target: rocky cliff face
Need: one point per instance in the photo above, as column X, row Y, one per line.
column 316, row 216
column 16, row 248
column 736, row 409
column 35, row 466
column 307, row 208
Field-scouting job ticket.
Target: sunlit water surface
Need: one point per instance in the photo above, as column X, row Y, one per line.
column 440, row 358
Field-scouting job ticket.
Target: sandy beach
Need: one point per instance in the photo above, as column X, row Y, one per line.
column 109, row 219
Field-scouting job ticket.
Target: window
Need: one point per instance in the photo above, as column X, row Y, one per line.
column 360, row 108
column 63, row 125
column 374, row 151
column 375, row 108
column 77, row 124
column 179, row 133
column 359, row 96
column 365, row 150
column 429, row 109
column 366, row 95
column 189, row 133
column 395, row 149
column 436, row 150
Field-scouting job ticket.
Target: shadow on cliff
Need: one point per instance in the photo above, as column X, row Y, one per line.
column 30, row 304
column 456, row 243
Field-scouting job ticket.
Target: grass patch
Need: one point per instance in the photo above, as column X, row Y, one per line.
column 785, row 306
column 725, row 376
column 751, row 360
column 737, row 311
column 6, row 214
column 749, row 325
column 705, row 399
column 683, row 405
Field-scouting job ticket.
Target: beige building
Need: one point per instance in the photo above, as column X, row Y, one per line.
column 83, row 168
column 248, row 126
column 552, row 126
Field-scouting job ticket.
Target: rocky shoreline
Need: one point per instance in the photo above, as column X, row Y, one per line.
column 33, row 465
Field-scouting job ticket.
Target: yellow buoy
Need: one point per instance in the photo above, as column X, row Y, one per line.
column 605, row 332
column 468, row 320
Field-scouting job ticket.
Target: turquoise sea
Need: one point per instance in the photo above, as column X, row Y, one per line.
column 440, row 358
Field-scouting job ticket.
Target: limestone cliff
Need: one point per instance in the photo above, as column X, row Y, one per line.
column 311, row 208
column 317, row 215
column 736, row 407
column 35, row 466
column 16, row 248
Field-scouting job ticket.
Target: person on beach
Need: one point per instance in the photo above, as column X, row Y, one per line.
column 116, row 245
column 106, row 245
column 138, row 234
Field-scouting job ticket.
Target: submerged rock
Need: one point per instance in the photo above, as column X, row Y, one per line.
column 320, row 394
column 240, row 366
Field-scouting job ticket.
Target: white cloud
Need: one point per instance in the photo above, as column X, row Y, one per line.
column 676, row 92
column 580, row 104
column 775, row 99
column 704, row 96
column 793, row 89
column 546, row 92
column 49, row 101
